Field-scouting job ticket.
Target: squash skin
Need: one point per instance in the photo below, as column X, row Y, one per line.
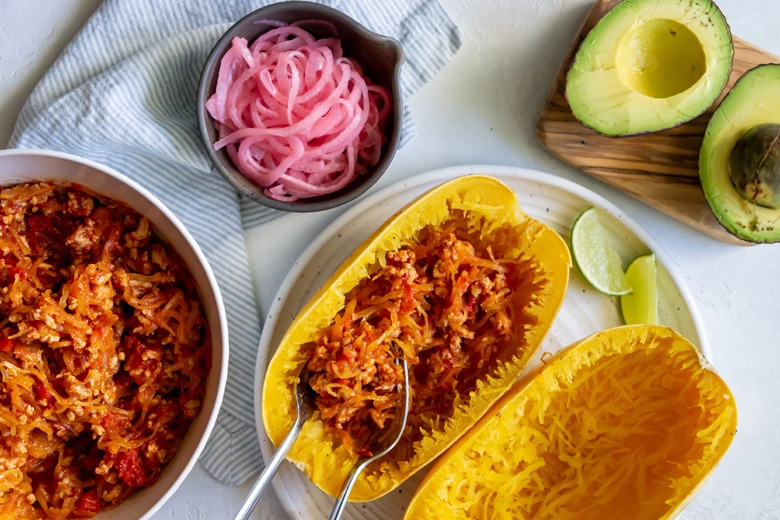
column 518, row 410
column 493, row 206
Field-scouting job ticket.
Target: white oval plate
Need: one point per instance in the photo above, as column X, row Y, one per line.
column 551, row 199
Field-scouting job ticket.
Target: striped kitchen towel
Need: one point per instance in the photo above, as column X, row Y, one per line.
column 123, row 93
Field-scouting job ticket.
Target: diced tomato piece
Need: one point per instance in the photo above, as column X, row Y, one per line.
column 88, row 504
column 6, row 344
column 408, row 302
column 113, row 238
column 40, row 232
column 42, row 393
column 129, row 467
column 364, row 453
column 17, row 271
column 114, row 423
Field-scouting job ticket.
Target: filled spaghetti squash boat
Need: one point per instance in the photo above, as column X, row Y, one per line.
column 627, row 423
column 465, row 285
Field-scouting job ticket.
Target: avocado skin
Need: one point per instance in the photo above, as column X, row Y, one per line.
column 754, row 101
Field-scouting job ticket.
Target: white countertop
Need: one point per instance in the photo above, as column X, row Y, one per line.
column 482, row 109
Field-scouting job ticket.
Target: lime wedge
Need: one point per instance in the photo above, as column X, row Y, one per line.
column 595, row 257
column 641, row 306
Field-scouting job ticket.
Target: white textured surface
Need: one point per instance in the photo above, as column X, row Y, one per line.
column 482, row 108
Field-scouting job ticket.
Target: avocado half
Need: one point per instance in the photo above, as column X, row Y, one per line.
column 753, row 101
column 649, row 65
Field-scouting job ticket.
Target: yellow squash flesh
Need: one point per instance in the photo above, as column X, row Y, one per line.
column 491, row 212
column 626, row 423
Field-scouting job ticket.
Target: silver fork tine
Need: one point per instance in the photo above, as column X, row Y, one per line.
column 398, row 427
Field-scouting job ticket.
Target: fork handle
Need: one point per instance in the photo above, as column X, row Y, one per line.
column 341, row 502
column 268, row 473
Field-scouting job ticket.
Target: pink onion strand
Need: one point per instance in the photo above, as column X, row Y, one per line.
column 295, row 116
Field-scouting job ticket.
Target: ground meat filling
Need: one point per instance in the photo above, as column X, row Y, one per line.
column 445, row 303
column 104, row 352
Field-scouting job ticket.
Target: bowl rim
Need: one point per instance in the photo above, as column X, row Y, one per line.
column 213, row 287
column 210, row 70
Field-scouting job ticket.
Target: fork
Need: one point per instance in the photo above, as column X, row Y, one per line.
column 305, row 404
column 386, row 442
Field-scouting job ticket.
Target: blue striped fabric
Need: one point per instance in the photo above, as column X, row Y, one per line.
column 123, row 93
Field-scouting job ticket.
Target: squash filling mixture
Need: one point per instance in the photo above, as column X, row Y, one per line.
column 460, row 282
column 104, row 352
column 445, row 303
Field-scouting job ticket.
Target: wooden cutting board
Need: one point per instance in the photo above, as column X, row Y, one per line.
column 660, row 169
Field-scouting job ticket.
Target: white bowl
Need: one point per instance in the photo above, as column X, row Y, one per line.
column 19, row 165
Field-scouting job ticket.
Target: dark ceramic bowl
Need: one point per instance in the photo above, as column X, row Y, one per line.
column 380, row 56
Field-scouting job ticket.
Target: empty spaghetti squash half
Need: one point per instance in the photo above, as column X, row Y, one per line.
column 626, row 423
column 464, row 285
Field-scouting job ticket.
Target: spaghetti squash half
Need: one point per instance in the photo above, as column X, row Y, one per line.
column 465, row 285
column 626, row 423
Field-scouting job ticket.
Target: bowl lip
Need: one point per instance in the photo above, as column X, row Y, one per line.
column 214, row 288
column 234, row 177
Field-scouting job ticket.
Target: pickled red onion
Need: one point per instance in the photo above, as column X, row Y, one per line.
column 295, row 115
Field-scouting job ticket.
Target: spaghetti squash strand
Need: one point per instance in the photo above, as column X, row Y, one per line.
column 598, row 433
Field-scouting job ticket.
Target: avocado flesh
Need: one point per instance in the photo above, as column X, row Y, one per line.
column 754, row 101
column 649, row 65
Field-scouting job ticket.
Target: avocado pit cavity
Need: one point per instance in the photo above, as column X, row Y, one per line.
column 660, row 58
column 755, row 165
